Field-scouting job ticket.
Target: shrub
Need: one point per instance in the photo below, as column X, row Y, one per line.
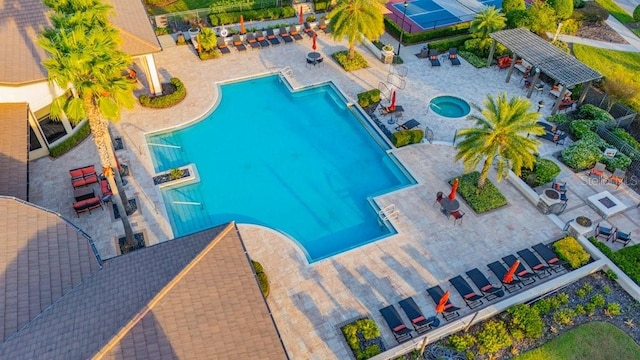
column 626, row 259
column 367, row 329
column 584, row 290
column 594, row 139
column 493, row 337
column 413, row 38
column 446, row 44
column 563, row 8
column 473, row 59
column 581, row 155
column 628, row 138
column 564, row 316
column 580, row 127
column 620, row 161
column 461, row 342
column 560, row 119
column 165, row 101
column 612, row 275
column 544, row 170
column 517, row 19
column 233, row 17
column 510, row 5
column 636, row 14
column 598, row 300
column 606, row 290
column 589, row 309
column 612, row 309
column 406, row 137
column 578, row 4
column 543, row 306
column 368, row 97
column 358, row 62
column 526, row 322
column 571, row 26
column 569, row 250
column 592, row 112
column 480, row 200
column 579, row 310
column 263, row 281
column 70, row 142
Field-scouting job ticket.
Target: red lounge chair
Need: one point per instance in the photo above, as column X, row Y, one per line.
column 83, row 176
column 87, row 205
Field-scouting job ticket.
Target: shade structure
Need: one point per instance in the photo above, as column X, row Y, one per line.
column 392, row 107
column 443, row 302
column 508, row 277
column 313, row 45
column 301, row 20
column 242, row 29
column 454, row 188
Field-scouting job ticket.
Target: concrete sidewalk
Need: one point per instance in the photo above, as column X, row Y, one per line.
column 633, row 41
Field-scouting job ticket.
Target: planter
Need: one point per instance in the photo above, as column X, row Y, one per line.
column 193, row 35
column 165, row 178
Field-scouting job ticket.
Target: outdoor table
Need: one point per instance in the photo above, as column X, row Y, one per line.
column 449, row 205
column 83, row 193
column 314, row 56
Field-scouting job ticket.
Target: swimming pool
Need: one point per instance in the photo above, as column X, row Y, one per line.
column 303, row 163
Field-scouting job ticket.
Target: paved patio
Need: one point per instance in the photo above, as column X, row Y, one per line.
column 315, row 299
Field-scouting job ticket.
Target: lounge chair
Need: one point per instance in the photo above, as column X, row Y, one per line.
column 617, row 177
column 387, row 110
column 534, row 263
column 463, row 288
column 308, row 29
column 271, row 36
column 87, row 205
column 251, row 40
column 453, row 56
column 322, row 25
column 83, row 176
column 450, row 311
column 433, row 57
column 623, row 237
column 500, row 271
column 262, row 40
column 106, row 190
column 410, row 124
column 400, row 331
column 420, row 323
column 527, row 277
column 490, row 292
column 604, row 231
column 293, row 32
column 285, row 35
column 598, row 170
column 550, row 257
column 237, row 43
column 222, row 45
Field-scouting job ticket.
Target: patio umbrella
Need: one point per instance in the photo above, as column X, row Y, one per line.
column 508, row 277
column 242, row 29
column 301, row 20
column 442, row 302
column 454, row 188
column 392, row 107
column 313, row 46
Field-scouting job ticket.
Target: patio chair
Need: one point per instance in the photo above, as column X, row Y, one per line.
column 271, row 36
column 83, row 176
column 617, row 177
column 453, row 56
column 420, row 323
column 534, row 263
column 504, row 62
column 604, row 231
column 439, row 196
column 457, row 215
column 490, row 292
column 559, row 186
column 222, row 45
column 285, row 35
column 550, row 257
column 433, row 57
column 251, row 40
column 598, row 170
column 566, row 105
column 471, row 298
column 500, row 271
column 526, row 276
column 410, row 124
column 322, row 25
column 308, row 29
column 105, row 189
column 293, row 32
column 620, row 236
column 387, row 110
column 237, row 43
column 400, row 331
column 436, row 295
column 262, row 40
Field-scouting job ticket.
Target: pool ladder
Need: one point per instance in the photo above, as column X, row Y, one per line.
column 388, row 212
column 286, row 71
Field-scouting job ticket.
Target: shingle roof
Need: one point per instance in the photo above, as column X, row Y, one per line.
column 192, row 297
column 14, row 149
column 560, row 66
column 42, row 258
column 22, row 21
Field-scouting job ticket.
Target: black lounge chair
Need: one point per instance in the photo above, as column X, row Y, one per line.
column 453, row 56
column 450, row 311
column 410, row 124
column 262, row 40
column 433, row 57
column 237, row 43
column 490, row 292
column 550, row 257
column 293, row 32
column 386, row 110
column 534, row 263
column 500, row 271
column 604, row 231
column 285, row 35
column 271, row 36
column 522, row 273
column 470, row 297
column 400, row 331
column 420, row 323
column 621, row 236
column 251, row 40
column 308, row 29
column 222, row 45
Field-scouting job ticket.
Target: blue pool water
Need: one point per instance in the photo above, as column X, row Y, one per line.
column 303, row 163
column 449, row 106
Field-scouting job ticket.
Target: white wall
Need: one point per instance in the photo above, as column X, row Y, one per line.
column 38, row 95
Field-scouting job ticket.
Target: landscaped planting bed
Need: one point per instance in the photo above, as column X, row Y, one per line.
column 480, row 200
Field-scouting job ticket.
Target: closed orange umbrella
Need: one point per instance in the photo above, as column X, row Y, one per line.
column 454, row 188
column 443, row 302
column 508, row 277
column 313, row 46
column 242, row 29
column 301, row 20
column 392, row 106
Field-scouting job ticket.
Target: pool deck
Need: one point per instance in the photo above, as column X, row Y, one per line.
column 428, row 250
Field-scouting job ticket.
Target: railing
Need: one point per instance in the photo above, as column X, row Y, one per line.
column 388, row 212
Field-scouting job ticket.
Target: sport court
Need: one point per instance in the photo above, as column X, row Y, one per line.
column 429, row 14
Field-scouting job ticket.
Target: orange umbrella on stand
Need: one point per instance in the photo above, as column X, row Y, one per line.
column 242, row 29
column 508, row 277
column 301, row 20
column 392, row 107
column 454, row 188
column 443, row 302
column 313, row 46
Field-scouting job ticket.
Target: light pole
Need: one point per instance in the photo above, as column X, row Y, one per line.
column 404, row 14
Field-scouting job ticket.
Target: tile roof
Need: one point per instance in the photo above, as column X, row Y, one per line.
column 22, row 21
column 14, row 149
column 42, row 258
column 192, row 297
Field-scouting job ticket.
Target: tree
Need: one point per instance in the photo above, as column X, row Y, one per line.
column 500, row 134
column 563, row 8
column 618, row 89
column 542, row 17
column 354, row 18
column 510, row 5
column 636, row 13
column 207, row 40
column 488, row 20
column 84, row 56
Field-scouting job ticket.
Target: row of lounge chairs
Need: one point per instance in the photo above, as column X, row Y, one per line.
column 610, row 233
column 261, row 39
column 453, row 57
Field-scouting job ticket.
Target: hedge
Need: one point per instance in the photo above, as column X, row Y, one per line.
column 165, row 101
column 368, row 97
column 358, row 62
column 480, row 200
column 445, row 44
column 544, row 170
column 262, row 278
column 71, row 142
column 626, row 258
column 414, row 38
column 250, row 15
column 405, row 137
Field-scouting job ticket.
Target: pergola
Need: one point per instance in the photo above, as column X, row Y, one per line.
column 544, row 57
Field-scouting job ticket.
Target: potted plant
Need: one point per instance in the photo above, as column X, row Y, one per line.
column 175, row 174
column 388, row 49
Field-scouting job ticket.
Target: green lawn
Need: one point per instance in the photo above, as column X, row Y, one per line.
column 616, row 11
column 614, row 64
column 595, row 340
column 180, row 5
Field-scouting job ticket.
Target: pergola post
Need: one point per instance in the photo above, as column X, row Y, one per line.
column 556, row 104
column 583, row 93
column 513, row 63
column 534, row 82
column 491, row 51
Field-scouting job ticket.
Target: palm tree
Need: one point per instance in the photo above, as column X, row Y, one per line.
column 207, row 39
column 488, row 20
column 354, row 18
column 501, row 134
column 84, row 56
